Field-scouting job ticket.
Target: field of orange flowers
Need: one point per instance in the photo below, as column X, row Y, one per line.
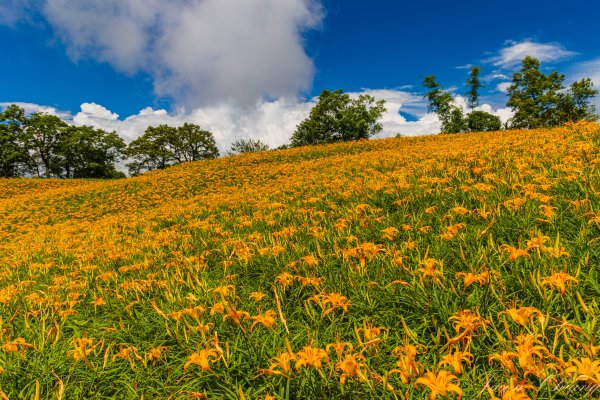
column 412, row 268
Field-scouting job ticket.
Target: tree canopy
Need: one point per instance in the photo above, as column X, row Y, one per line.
column 540, row 100
column 339, row 117
column 474, row 84
column 440, row 101
column 12, row 152
column 249, row 145
column 91, row 153
column 162, row 146
column 44, row 146
column 481, row 121
column 451, row 115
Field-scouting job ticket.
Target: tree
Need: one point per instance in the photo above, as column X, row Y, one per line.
column 441, row 102
column 43, row 145
column 540, row 100
column 190, row 143
column 37, row 141
column 456, row 123
column 150, row 151
column 574, row 105
column 162, row 146
column 242, row 146
column 338, row 117
column 452, row 116
column 12, row 152
column 533, row 96
column 43, row 135
column 481, row 121
column 474, row 85
column 91, row 153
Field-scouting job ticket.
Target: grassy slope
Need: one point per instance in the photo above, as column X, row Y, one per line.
column 155, row 246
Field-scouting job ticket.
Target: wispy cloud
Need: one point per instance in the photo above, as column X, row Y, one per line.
column 494, row 76
column 513, row 52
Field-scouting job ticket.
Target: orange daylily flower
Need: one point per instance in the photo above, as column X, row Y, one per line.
column 82, row 348
column 456, row 359
column 329, row 302
column 408, row 366
column 268, row 319
column 585, row 370
column 256, row 296
column 522, row 315
column 284, row 279
column 530, row 355
column 13, row 346
column 559, row 281
column 339, row 348
column 312, row 356
column 282, row 365
column 482, row 278
column 203, row 359
column 504, row 358
column 126, row 352
column 98, row 301
column 466, row 322
column 514, row 252
column 156, row 352
column 352, row 366
column 390, row 233
column 429, row 271
column 224, row 291
column 440, row 384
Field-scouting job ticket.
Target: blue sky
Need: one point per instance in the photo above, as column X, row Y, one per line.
column 209, row 60
column 395, row 43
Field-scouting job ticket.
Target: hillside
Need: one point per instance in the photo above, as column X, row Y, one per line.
column 368, row 269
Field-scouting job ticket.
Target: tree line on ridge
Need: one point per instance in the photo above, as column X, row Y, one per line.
column 44, row 146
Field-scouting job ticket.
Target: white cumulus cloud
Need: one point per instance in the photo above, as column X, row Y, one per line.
column 198, row 52
column 92, row 110
column 273, row 122
column 503, row 113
